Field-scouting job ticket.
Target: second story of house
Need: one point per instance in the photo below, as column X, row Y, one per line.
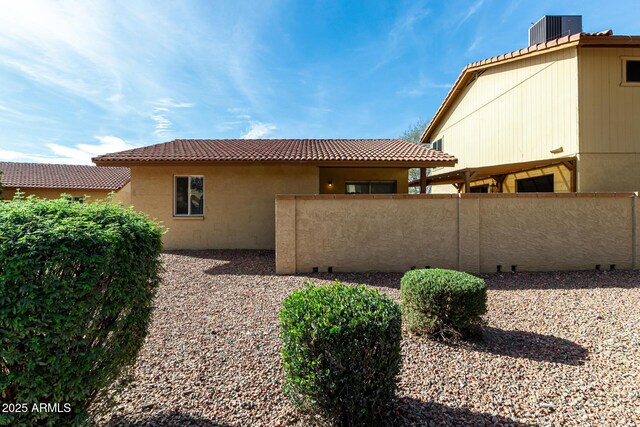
column 564, row 98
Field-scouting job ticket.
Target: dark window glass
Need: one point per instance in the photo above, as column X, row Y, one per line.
column 197, row 196
column 480, row 189
column 539, row 184
column 437, row 145
column 383, row 187
column 633, row 71
column 357, row 187
column 182, row 195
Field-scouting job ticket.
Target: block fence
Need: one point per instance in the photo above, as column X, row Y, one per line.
column 477, row 233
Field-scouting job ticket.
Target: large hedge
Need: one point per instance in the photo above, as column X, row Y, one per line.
column 442, row 303
column 77, row 283
column 341, row 352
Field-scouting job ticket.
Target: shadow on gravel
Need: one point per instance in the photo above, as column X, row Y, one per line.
column 168, row 419
column 591, row 279
column 529, row 345
column 235, row 262
column 412, row 412
column 242, row 262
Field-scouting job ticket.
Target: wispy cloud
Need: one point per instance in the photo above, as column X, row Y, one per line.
column 259, row 130
column 472, row 10
column 403, row 27
column 162, row 110
column 474, row 44
column 423, row 86
column 79, row 154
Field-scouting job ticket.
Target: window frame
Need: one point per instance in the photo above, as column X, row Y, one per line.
column 175, row 198
column 626, row 59
column 394, row 182
column 440, row 142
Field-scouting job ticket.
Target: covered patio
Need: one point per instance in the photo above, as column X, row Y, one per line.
column 463, row 178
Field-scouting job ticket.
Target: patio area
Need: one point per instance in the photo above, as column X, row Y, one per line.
column 558, row 349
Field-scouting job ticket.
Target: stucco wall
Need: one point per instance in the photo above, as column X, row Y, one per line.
column 338, row 176
column 48, row 193
column 470, row 232
column 239, row 206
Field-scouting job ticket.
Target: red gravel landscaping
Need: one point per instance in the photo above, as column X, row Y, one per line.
column 558, row 349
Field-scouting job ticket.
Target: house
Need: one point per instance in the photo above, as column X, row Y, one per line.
column 221, row 193
column 558, row 116
column 48, row 181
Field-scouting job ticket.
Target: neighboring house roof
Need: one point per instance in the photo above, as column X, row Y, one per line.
column 280, row 150
column 43, row 175
column 602, row 38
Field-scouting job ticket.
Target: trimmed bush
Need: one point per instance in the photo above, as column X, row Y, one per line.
column 77, row 283
column 341, row 352
column 443, row 303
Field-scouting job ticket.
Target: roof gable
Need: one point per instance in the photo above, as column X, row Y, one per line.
column 603, row 38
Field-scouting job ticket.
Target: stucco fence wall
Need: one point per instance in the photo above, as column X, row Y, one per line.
column 469, row 232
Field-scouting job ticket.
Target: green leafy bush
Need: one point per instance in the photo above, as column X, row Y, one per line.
column 341, row 352
column 77, row 283
column 443, row 303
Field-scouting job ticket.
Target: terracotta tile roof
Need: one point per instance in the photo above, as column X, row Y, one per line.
column 601, row 38
column 279, row 150
column 43, row 175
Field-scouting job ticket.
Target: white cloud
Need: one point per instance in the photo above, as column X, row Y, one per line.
column 161, row 112
column 473, row 9
column 80, row 154
column 423, row 86
column 258, row 130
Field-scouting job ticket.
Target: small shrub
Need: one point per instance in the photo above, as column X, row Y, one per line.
column 442, row 303
column 341, row 352
column 77, row 283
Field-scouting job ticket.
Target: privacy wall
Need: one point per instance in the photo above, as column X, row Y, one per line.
column 478, row 233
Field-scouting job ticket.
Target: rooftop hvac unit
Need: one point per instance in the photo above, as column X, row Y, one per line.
column 553, row 27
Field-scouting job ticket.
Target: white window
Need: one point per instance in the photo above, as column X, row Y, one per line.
column 630, row 71
column 437, row 145
column 188, row 196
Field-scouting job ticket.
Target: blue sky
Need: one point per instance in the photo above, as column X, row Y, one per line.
column 81, row 78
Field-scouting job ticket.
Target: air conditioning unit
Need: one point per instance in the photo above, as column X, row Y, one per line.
column 551, row 27
column 426, row 145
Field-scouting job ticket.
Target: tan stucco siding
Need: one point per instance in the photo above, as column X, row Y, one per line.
column 474, row 233
column 338, row 176
column 239, row 206
column 609, row 157
column 48, row 193
column 515, row 112
column 124, row 195
column 366, row 233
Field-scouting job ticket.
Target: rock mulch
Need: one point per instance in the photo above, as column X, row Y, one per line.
column 558, row 349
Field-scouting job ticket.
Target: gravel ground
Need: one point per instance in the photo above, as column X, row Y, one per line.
column 558, row 349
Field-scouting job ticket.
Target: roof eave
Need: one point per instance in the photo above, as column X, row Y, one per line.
column 323, row 163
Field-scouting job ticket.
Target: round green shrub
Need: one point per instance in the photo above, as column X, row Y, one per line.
column 443, row 303
column 77, row 283
column 341, row 352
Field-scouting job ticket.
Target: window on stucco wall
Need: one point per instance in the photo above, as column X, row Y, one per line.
column 188, row 196
column 370, row 187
